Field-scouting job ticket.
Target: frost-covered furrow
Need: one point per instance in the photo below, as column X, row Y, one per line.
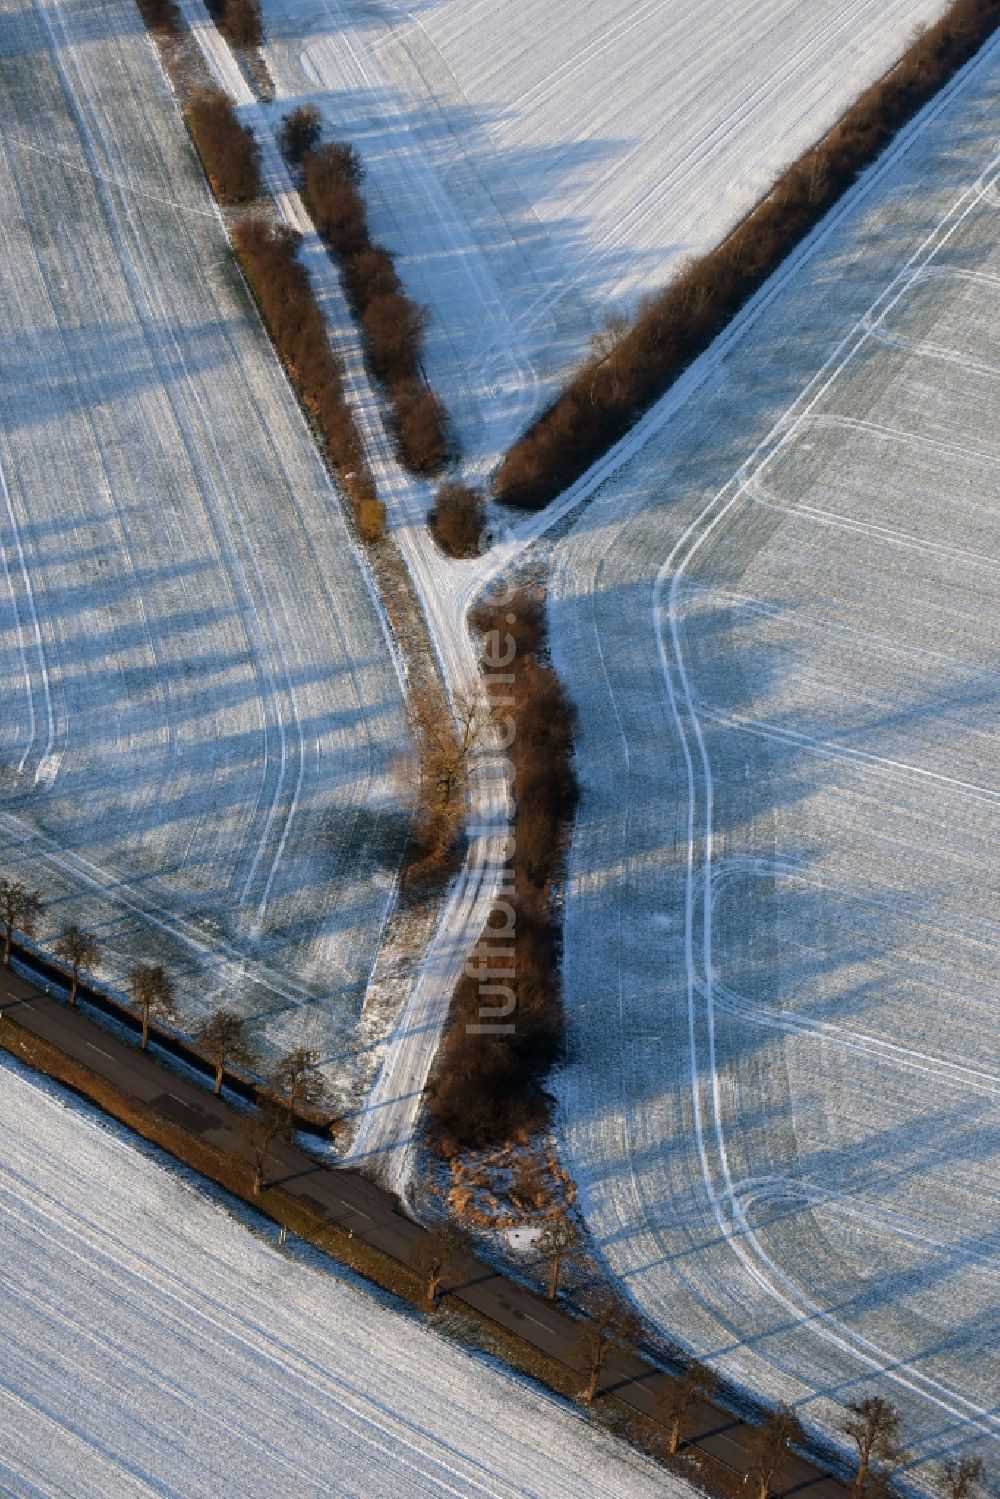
column 150, row 1344
column 200, row 704
column 539, row 166
column 781, row 917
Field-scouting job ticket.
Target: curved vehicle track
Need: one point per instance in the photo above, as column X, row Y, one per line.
column 201, row 708
column 781, row 1103
column 313, row 45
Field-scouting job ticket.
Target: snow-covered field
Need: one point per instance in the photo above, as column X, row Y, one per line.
column 514, row 291
column 149, row 1344
column 783, row 916
column 542, row 165
column 199, row 710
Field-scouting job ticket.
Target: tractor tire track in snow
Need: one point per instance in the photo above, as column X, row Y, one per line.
column 220, row 704
column 192, row 1358
column 385, row 1133
column 698, row 1241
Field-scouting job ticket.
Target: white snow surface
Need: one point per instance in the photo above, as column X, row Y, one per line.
column 384, row 1133
column 778, row 618
column 540, row 165
column 491, row 391
column 200, row 716
column 150, row 1344
column 504, row 294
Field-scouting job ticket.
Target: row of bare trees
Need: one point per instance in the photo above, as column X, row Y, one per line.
column 875, row 1428
column 392, row 324
column 487, row 1086
column 20, row 909
column 294, row 1082
column 630, row 366
column 872, row 1424
column 150, row 988
column 269, row 254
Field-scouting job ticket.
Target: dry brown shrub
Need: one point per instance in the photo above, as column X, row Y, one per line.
column 370, row 274
column 228, row 149
column 393, row 327
column 421, row 430
column 371, row 519
column 330, row 189
column 457, row 520
column 242, row 24
column 160, row 15
column 284, row 292
column 488, row 1088
column 392, row 324
column 299, row 133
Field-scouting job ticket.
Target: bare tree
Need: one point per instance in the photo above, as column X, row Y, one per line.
column 874, row 1425
column 770, row 1446
column 77, row 949
column 295, row 1080
column 152, row 993
column 452, row 743
column 436, row 1254
column 223, row 1037
column 557, row 1239
column 20, row 908
column 610, row 1325
column 961, row 1477
column 263, row 1129
column 609, row 337
column 695, row 1383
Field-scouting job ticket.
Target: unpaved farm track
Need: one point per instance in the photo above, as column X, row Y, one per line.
column 385, row 1127
column 200, row 708
column 782, row 914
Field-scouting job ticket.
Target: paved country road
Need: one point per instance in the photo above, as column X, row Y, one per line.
column 372, row 1214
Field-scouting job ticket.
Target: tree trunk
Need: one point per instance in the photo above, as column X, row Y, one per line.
column 861, row 1479
column 765, row 1487
column 675, row 1436
column 554, row 1276
column 72, row 987
column 258, row 1180
column 218, row 1078
column 145, row 1029
column 595, row 1375
column 6, row 948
